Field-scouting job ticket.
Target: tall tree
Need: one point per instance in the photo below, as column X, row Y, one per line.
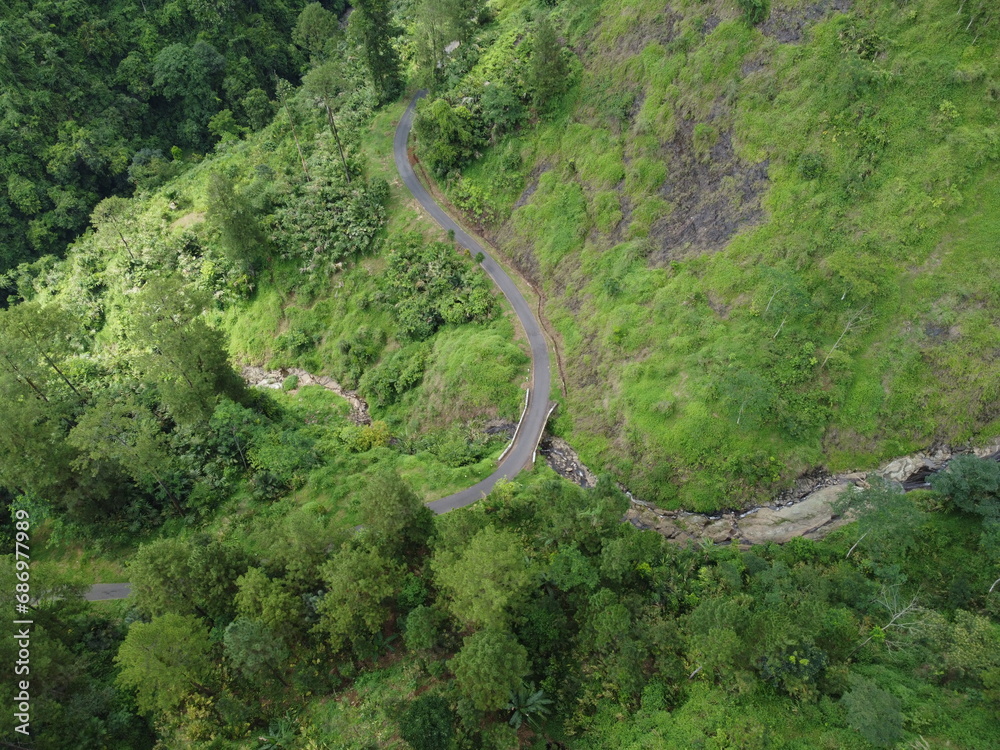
column 256, row 651
column 887, row 519
column 315, row 29
column 359, row 584
column 268, row 600
column 490, row 667
column 166, row 661
column 189, row 577
column 284, row 91
column 874, row 713
column 488, row 580
column 115, row 214
column 438, row 23
column 327, row 83
column 190, row 75
column 127, row 434
column 37, row 343
column 179, row 351
column 394, row 516
column 372, row 21
column 231, row 212
column 547, row 68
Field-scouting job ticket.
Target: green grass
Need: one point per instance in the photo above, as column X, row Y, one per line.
column 879, row 215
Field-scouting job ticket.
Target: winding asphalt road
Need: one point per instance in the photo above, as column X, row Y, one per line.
column 536, row 415
column 537, row 412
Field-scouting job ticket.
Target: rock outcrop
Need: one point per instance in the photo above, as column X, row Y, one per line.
column 811, row 517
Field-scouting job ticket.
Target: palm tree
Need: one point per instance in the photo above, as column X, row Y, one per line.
column 527, row 703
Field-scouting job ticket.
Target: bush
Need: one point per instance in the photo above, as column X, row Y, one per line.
column 972, row 484
column 448, row 136
column 754, row 11
column 811, row 166
column 428, row 724
column 290, row 383
column 876, row 714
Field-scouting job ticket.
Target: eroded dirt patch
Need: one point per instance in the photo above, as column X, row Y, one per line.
column 788, row 25
column 714, row 195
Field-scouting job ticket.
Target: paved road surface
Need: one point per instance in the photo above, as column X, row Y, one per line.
column 520, row 454
column 102, row 591
column 535, row 417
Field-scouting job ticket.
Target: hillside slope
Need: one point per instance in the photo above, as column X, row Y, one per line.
column 766, row 248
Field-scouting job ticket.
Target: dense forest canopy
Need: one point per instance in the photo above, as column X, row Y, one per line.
column 101, row 98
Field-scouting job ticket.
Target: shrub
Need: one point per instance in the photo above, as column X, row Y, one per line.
column 876, row 714
column 811, row 166
column 290, row 383
column 754, row 11
column 428, row 724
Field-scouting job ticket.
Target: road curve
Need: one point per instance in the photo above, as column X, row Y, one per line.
column 536, row 415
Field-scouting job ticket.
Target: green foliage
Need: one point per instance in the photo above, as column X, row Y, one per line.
column 754, row 11
column 393, row 516
column 155, row 78
column 875, row 713
column 972, row 484
column 235, row 217
column 502, row 110
column 527, row 704
column 315, row 29
column 428, row 285
column 795, row 670
column 716, row 363
column 487, row 580
column 395, row 375
column 180, row 353
column 423, row 628
column 435, row 25
column 888, row 520
column 327, row 221
column 490, row 666
column 268, row 601
column 166, row 661
column 187, row 577
column 359, row 583
column 125, row 434
column 372, row 23
column 428, row 724
column 547, row 70
column 449, row 136
column 255, row 650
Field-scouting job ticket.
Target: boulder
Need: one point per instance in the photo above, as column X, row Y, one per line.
column 910, row 467
column 990, row 450
column 719, row 531
column 813, row 517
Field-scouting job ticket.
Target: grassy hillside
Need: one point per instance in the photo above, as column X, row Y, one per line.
column 765, row 248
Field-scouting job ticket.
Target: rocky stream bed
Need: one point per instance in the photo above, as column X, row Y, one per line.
column 806, row 509
column 803, row 510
